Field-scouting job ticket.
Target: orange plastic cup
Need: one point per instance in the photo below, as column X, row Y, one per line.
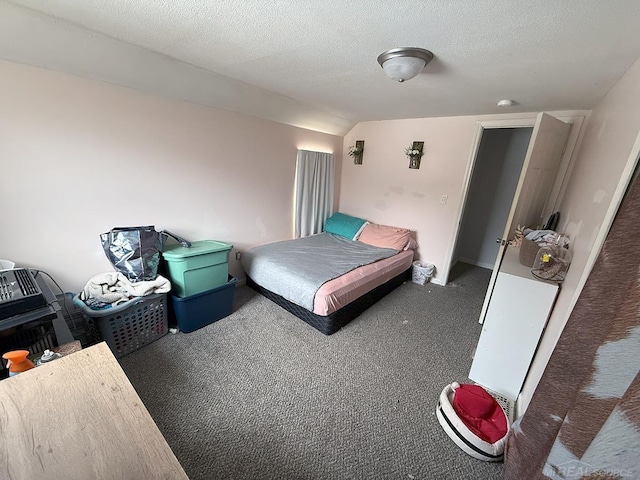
column 17, row 362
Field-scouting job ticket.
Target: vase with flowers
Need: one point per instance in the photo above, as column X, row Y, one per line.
column 414, row 154
column 355, row 151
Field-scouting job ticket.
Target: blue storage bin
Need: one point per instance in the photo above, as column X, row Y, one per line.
column 196, row 311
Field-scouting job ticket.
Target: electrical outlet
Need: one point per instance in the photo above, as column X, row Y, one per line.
column 443, row 199
column 238, row 255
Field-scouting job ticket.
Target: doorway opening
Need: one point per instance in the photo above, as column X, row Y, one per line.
column 497, row 168
column 542, row 175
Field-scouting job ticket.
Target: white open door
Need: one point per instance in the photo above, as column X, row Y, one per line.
column 547, row 144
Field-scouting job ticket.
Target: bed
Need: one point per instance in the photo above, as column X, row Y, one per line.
column 330, row 278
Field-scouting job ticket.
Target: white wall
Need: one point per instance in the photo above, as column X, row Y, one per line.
column 384, row 190
column 495, row 177
column 80, row 156
column 608, row 139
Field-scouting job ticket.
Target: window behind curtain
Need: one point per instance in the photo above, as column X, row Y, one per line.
column 314, row 191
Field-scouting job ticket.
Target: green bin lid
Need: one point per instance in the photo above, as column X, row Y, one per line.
column 201, row 247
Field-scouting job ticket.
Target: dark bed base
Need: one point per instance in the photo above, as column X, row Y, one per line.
column 335, row 321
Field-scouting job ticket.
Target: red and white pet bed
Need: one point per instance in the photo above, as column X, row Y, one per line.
column 474, row 420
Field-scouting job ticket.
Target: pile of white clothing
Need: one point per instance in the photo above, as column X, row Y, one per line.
column 114, row 288
column 546, row 237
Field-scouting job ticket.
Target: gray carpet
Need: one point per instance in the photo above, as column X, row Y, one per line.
column 262, row 395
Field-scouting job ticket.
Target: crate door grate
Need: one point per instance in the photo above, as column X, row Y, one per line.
column 507, row 404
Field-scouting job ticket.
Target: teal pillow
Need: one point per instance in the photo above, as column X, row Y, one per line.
column 344, row 225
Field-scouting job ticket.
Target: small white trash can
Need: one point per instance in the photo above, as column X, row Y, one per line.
column 422, row 272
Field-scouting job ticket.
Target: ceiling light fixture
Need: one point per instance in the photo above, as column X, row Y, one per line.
column 404, row 63
column 506, row 103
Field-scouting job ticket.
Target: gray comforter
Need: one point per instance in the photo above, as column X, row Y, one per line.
column 296, row 269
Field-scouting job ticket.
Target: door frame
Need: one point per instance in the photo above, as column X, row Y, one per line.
column 576, row 119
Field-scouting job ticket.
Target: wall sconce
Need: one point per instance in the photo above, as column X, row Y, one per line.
column 414, row 154
column 356, row 152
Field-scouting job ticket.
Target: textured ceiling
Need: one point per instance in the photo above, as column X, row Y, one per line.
column 313, row 64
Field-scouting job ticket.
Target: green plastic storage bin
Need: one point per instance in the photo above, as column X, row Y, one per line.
column 201, row 267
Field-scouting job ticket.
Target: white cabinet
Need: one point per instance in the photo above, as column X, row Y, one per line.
column 516, row 316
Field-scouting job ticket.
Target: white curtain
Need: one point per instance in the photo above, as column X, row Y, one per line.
column 314, row 191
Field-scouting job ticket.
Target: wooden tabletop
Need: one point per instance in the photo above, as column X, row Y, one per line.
column 79, row 417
